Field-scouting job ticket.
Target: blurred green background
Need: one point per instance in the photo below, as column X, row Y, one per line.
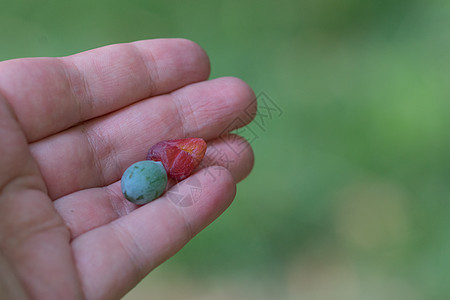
column 350, row 194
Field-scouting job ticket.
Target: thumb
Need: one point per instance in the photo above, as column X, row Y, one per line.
column 34, row 242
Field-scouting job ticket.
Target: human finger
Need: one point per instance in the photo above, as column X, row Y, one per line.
column 98, row 152
column 49, row 95
column 113, row 258
column 91, row 208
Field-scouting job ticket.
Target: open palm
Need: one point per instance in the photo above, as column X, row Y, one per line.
column 69, row 127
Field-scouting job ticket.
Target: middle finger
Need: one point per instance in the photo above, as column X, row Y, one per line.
column 97, row 152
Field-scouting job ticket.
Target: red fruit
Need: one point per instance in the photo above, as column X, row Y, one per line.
column 179, row 157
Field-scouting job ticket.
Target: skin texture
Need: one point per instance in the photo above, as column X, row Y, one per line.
column 69, row 127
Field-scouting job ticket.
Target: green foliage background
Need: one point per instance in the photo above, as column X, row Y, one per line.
column 350, row 194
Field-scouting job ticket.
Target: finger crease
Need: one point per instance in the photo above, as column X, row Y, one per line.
column 185, row 115
column 79, row 89
column 187, row 226
column 133, row 251
column 153, row 73
column 92, row 139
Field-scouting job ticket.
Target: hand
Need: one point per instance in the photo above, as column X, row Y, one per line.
column 69, row 127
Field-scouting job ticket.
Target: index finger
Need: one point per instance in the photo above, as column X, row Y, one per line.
column 49, row 95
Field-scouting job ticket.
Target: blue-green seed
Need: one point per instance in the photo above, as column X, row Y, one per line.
column 144, row 181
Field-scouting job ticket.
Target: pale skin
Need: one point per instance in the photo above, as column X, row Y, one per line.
column 69, row 127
